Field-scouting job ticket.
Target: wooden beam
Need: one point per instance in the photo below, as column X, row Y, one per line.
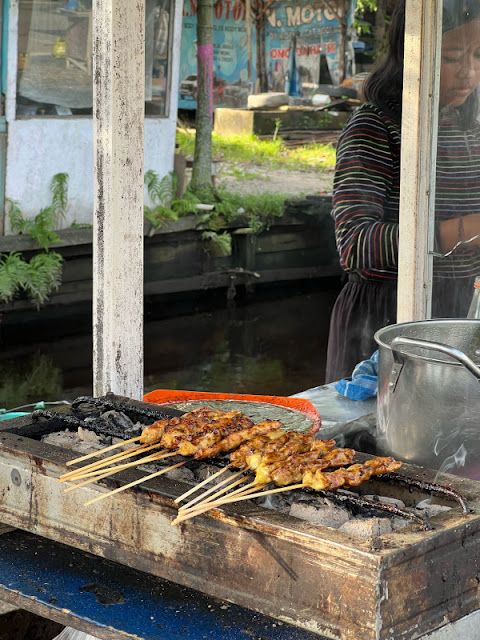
column 419, row 144
column 118, row 119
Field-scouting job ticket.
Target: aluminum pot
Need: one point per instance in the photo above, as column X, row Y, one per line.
column 429, row 394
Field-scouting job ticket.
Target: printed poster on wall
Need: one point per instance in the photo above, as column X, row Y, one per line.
column 302, row 48
column 230, row 81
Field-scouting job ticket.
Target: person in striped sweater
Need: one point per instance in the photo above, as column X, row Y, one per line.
column 367, row 189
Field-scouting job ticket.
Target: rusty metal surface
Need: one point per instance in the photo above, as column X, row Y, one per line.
column 321, row 579
column 111, row 602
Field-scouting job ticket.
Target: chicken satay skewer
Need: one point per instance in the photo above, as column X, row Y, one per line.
column 318, row 480
column 154, row 432
column 175, row 434
column 253, row 459
column 197, row 440
column 226, row 431
column 238, row 459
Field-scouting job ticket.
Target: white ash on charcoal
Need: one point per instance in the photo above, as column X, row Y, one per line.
column 82, row 441
column 430, row 509
column 327, row 515
column 361, row 521
column 100, row 430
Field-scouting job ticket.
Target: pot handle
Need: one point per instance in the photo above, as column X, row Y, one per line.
column 454, row 353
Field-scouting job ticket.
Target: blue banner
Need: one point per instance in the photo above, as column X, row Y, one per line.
column 302, row 42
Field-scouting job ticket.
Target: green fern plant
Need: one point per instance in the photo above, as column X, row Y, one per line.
column 37, row 278
column 218, row 244
column 161, row 192
column 41, row 276
column 45, row 276
column 13, row 275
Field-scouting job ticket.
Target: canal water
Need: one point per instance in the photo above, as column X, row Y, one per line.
column 270, row 342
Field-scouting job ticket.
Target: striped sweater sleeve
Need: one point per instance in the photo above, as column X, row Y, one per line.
column 366, row 195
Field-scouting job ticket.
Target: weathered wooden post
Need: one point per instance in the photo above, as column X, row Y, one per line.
column 118, row 123
column 419, row 143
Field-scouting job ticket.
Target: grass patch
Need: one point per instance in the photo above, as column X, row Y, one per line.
column 270, row 154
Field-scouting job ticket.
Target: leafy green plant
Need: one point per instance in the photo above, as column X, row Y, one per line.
column 43, row 273
column 161, row 192
column 218, row 244
column 253, row 211
column 37, row 278
column 41, row 228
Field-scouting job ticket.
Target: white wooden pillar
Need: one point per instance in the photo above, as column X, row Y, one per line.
column 419, row 146
column 118, row 121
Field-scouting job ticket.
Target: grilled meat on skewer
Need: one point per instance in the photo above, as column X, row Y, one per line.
column 276, row 446
column 350, row 476
column 193, row 422
column 293, row 469
column 235, row 439
column 239, row 458
column 205, row 433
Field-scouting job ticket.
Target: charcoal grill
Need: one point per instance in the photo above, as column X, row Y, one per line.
column 398, row 586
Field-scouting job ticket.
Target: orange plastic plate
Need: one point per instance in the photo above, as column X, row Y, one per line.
column 170, row 396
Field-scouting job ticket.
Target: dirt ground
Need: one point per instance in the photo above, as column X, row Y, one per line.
column 258, row 180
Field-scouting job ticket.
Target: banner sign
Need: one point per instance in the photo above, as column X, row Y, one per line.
column 302, row 43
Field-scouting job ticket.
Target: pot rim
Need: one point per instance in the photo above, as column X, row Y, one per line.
column 378, row 336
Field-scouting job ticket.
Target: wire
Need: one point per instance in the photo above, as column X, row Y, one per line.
column 35, row 405
column 460, row 242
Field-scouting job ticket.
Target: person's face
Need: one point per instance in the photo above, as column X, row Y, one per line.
column 460, row 69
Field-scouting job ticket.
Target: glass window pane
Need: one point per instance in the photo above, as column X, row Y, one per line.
column 457, row 202
column 55, row 57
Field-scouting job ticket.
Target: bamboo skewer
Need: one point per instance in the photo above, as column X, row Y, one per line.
column 247, row 495
column 135, row 482
column 113, row 470
column 202, row 484
column 106, row 461
column 213, row 499
column 100, row 451
column 203, row 495
column 214, row 496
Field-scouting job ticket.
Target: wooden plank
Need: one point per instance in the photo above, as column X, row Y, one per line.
column 419, row 139
column 118, row 118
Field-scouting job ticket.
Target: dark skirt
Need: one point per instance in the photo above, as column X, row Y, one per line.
column 365, row 306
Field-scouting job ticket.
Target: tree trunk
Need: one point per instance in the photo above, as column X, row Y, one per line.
column 202, row 159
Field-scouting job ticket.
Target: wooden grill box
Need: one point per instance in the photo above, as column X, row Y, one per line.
column 396, row 587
